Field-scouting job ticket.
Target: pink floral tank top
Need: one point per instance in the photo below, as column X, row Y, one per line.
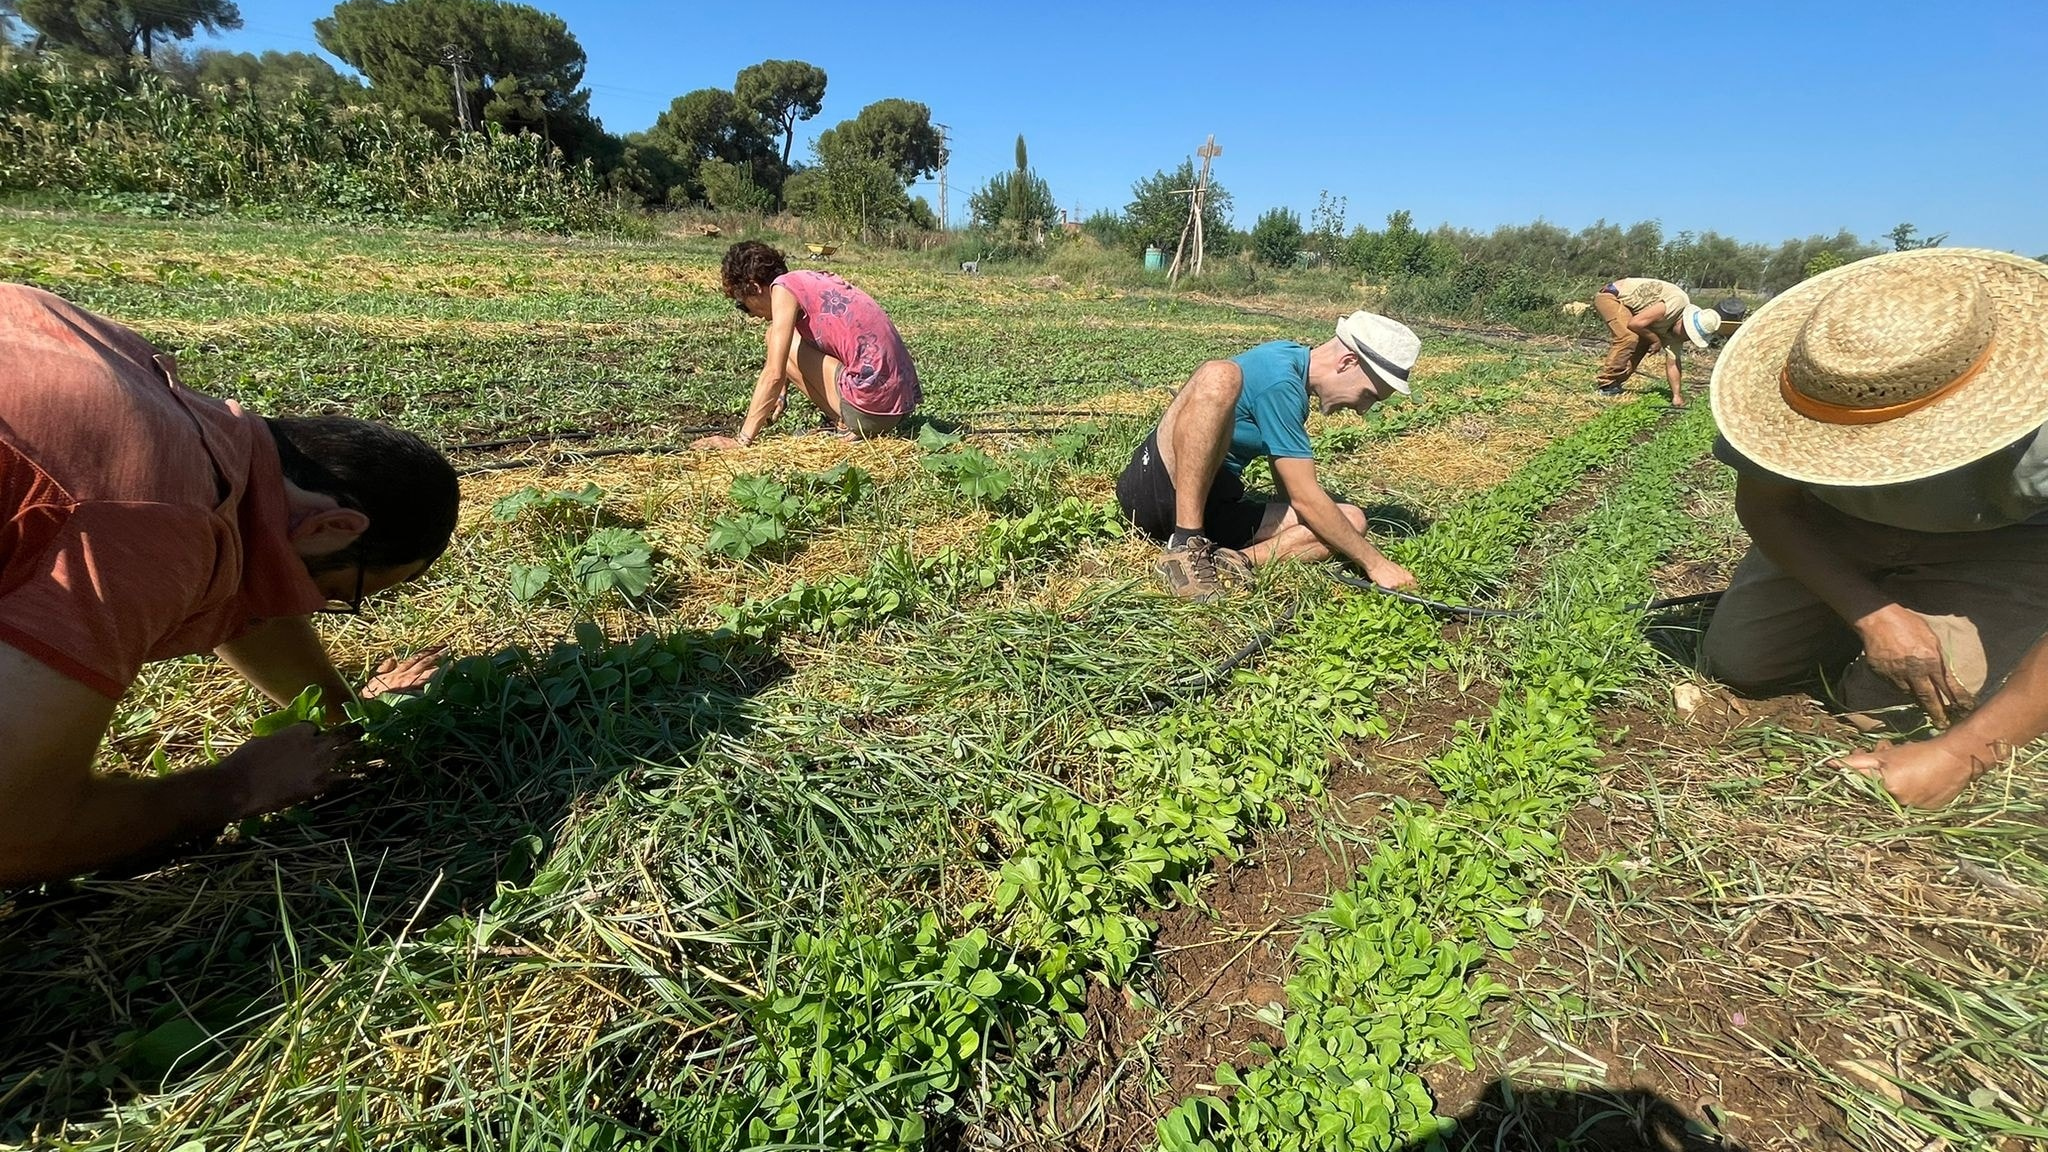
column 877, row 376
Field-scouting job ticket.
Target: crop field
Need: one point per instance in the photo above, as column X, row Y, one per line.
column 870, row 796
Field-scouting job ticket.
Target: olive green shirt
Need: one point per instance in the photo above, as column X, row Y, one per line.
column 2008, row 487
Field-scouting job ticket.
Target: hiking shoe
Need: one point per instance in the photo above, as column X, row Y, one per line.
column 1610, row 389
column 1201, row 570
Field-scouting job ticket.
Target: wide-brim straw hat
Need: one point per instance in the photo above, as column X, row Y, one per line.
column 1891, row 369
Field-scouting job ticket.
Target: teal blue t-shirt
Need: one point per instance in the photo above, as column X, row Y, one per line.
column 1272, row 409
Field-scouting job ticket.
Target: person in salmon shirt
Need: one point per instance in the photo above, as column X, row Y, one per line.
column 142, row 521
column 828, row 338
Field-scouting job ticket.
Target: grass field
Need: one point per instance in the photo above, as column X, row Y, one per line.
column 868, row 796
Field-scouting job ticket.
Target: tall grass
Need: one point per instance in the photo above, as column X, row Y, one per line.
column 134, row 141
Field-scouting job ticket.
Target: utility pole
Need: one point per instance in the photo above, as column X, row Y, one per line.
column 945, row 154
column 457, row 58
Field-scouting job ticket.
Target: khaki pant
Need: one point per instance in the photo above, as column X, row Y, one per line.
column 1627, row 348
column 1985, row 595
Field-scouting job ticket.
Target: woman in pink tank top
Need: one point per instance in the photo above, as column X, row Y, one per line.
column 828, row 338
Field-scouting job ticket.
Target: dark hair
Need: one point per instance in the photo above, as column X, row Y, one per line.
column 750, row 264
column 407, row 489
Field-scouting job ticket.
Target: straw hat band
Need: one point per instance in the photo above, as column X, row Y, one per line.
column 1890, row 370
column 1817, row 409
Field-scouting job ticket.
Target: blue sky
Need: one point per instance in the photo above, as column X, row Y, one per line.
column 1760, row 121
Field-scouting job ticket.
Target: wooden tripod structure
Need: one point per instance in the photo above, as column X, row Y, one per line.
column 1197, row 197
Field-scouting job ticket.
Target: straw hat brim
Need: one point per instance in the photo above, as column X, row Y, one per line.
column 2007, row 399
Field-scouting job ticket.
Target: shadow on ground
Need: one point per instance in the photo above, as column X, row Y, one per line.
column 125, row 985
column 1511, row 1119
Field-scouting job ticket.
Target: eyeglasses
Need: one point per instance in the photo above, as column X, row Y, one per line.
column 353, row 606
column 739, row 304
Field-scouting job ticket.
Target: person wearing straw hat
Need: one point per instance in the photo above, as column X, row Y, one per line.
column 1644, row 315
column 1886, row 423
column 1183, row 487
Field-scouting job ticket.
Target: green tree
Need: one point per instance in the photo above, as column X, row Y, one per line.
column 269, row 78
column 709, row 125
column 897, row 133
column 1276, row 237
column 119, row 29
column 1014, row 212
column 1159, row 210
column 1905, row 238
column 803, row 191
column 1401, row 251
column 1109, row 228
column 731, row 187
column 522, row 67
column 1824, row 260
column 780, row 93
column 645, row 171
column 859, row 190
column 1326, row 231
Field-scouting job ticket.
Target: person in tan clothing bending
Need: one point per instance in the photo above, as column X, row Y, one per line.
column 1888, row 423
column 1645, row 315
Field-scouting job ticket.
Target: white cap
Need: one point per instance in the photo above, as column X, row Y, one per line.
column 1701, row 323
column 1389, row 347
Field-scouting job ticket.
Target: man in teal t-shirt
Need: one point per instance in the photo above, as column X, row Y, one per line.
column 1182, row 485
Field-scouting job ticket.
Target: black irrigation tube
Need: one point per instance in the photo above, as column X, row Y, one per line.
column 667, row 448
column 1474, row 613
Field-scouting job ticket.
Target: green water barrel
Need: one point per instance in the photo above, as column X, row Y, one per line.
column 1154, row 259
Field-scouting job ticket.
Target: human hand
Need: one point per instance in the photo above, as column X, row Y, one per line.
column 1388, row 574
column 291, row 766
column 1899, row 646
column 779, row 404
column 408, row 675
column 714, row 443
column 1926, row 773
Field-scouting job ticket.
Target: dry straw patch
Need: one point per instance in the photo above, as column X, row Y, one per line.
column 1464, row 456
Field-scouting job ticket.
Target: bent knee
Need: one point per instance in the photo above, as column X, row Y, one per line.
column 1750, row 671
column 1218, row 379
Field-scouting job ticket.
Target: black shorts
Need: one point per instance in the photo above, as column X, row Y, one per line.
column 1145, row 492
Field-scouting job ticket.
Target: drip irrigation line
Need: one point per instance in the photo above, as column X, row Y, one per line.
column 668, row 448
column 578, row 457
column 1160, row 699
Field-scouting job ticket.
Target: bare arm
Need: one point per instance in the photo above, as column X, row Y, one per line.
column 770, row 387
column 1319, row 512
column 59, row 818
column 1897, row 643
column 284, row 657
column 1932, row 773
column 1640, row 322
column 1777, row 516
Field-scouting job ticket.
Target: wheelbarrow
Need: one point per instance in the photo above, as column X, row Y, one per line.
column 820, row 251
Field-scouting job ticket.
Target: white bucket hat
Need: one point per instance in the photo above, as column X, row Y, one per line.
column 1389, row 346
column 1700, row 323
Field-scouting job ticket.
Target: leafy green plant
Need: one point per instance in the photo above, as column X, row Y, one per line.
column 775, row 515
column 974, row 473
column 547, row 505
column 614, row 558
